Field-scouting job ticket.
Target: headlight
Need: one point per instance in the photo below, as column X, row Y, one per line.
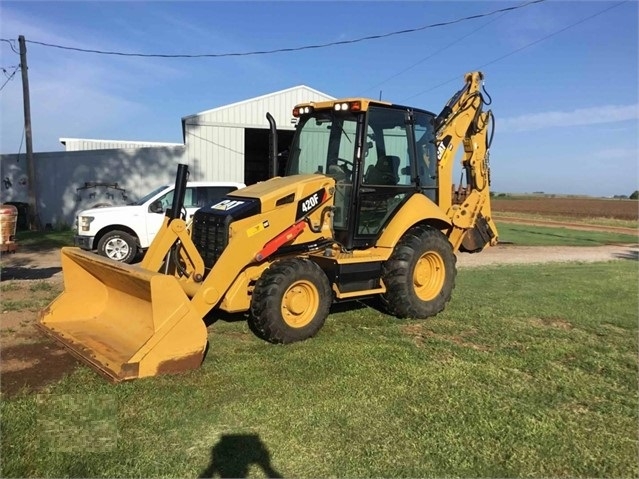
column 302, row 110
column 85, row 222
column 345, row 106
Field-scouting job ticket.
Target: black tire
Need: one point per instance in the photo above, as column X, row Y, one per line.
column 119, row 246
column 420, row 274
column 291, row 301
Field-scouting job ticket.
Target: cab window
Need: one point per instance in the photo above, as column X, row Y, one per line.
column 426, row 151
column 387, row 158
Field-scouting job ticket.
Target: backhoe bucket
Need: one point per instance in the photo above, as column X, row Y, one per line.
column 122, row 320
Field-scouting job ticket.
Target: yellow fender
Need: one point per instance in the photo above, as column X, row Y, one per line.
column 415, row 210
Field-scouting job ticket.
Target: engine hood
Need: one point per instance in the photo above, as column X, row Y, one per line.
column 280, row 191
column 112, row 210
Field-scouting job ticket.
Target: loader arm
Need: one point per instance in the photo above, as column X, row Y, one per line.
column 463, row 122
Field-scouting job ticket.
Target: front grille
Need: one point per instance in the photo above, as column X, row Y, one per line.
column 210, row 236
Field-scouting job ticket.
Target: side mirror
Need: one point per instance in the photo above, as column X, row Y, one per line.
column 156, row 207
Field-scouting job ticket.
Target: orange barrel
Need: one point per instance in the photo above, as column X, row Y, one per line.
column 8, row 222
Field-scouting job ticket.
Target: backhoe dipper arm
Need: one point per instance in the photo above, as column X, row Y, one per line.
column 462, row 121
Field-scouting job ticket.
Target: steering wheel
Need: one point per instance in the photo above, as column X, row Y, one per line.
column 346, row 162
column 344, row 172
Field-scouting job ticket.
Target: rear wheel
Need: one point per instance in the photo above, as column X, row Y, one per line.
column 291, row 301
column 420, row 274
column 118, row 245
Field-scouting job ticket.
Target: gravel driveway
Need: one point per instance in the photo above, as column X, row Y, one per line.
column 510, row 254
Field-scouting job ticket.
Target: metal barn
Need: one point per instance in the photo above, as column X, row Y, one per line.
column 232, row 142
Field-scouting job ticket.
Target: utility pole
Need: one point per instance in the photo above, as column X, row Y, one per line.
column 34, row 218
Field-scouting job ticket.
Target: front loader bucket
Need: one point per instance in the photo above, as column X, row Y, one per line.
column 122, row 320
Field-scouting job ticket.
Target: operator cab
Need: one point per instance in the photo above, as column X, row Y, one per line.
column 379, row 154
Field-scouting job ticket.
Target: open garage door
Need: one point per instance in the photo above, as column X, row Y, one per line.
column 256, row 148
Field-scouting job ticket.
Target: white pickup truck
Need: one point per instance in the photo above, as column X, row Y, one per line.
column 120, row 232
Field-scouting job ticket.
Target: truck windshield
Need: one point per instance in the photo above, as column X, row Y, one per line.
column 324, row 143
column 148, row 196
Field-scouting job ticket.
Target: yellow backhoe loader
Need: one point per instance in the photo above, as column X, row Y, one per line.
column 367, row 207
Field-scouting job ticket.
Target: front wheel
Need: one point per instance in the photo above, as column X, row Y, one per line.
column 420, row 274
column 118, row 245
column 291, row 301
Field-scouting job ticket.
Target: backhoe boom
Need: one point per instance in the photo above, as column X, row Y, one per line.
column 463, row 122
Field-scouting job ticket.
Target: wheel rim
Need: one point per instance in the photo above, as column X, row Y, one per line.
column 116, row 248
column 429, row 276
column 299, row 304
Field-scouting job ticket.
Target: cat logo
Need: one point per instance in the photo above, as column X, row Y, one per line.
column 226, row 205
column 443, row 145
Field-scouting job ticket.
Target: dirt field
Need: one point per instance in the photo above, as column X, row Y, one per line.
column 564, row 224
column 28, row 359
column 573, row 207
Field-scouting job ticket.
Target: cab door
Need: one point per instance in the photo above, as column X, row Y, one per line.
column 386, row 178
column 399, row 161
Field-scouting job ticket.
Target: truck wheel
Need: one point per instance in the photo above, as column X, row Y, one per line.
column 420, row 274
column 118, row 245
column 291, row 301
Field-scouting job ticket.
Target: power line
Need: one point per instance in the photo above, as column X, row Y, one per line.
column 9, row 77
column 520, row 48
column 291, row 49
column 4, row 69
column 436, row 52
column 11, row 44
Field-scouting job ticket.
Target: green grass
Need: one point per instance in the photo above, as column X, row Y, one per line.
column 32, row 304
column 45, row 239
column 27, row 296
column 530, row 371
column 41, row 286
column 7, row 286
column 528, row 235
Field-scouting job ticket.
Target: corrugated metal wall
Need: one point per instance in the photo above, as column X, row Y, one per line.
column 215, row 151
column 60, row 177
column 83, row 144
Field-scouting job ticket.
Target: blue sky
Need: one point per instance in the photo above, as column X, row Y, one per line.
column 566, row 105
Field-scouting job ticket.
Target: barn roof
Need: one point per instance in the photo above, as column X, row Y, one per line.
column 302, row 91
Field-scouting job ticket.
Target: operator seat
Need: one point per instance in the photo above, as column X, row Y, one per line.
column 384, row 172
column 378, row 203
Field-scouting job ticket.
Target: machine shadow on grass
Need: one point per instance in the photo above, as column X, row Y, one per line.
column 631, row 254
column 41, row 363
column 234, row 455
column 15, row 266
column 25, row 272
column 216, row 315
